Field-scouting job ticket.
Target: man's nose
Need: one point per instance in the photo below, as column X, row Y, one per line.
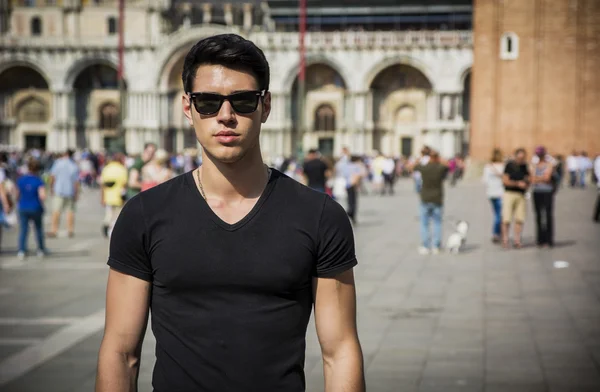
column 226, row 113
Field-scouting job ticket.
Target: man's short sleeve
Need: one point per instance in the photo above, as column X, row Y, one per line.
column 335, row 249
column 128, row 242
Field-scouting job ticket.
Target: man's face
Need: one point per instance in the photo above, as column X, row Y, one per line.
column 149, row 153
column 226, row 135
column 520, row 157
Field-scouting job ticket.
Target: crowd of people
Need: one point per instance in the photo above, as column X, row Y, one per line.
column 35, row 182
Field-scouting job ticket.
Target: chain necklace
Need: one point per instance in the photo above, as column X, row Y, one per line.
column 202, row 188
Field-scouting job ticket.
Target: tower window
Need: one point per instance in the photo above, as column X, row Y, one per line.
column 509, row 46
column 112, row 25
column 36, row 26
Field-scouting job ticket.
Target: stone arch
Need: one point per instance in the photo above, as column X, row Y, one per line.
column 76, row 69
column 181, row 42
column 380, row 67
column 26, row 64
column 312, row 60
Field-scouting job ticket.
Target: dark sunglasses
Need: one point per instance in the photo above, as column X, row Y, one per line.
column 244, row 102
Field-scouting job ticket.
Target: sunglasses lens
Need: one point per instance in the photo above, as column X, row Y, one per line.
column 245, row 103
column 207, row 105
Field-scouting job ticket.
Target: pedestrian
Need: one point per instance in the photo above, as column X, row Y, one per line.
column 113, row 180
column 516, row 180
column 543, row 198
column 157, row 170
column 64, row 189
column 573, row 168
column 232, row 256
column 433, row 173
column 354, row 174
column 31, row 194
column 316, row 172
column 492, row 176
column 135, row 171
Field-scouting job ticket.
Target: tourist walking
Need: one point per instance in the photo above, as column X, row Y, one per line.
column 543, row 198
column 316, row 172
column 113, row 180
column 597, row 173
column 492, row 177
column 64, row 188
column 433, row 173
column 516, row 181
column 31, row 194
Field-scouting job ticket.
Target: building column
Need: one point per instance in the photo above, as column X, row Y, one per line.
column 206, row 13
column 447, row 149
column 248, row 16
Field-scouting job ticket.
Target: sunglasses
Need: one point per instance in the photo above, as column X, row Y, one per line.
column 244, row 102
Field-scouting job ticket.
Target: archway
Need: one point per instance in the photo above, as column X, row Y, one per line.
column 400, row 94
column 325, row 90
column 176, row 134
column 24, row 99
column 95, row 85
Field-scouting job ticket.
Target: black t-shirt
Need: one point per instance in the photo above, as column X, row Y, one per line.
column 315, row 173
column 516, row 172
column 230, row 304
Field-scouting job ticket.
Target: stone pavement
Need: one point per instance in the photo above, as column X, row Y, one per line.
column 484, row 320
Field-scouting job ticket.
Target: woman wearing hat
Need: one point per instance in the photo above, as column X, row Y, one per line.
column 543, row 198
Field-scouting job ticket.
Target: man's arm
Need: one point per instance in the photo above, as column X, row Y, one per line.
column 127, row 304
column 335, row 319
column 134, row 179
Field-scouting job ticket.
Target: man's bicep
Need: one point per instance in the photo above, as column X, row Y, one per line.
column 335, row 310
column 127, row 308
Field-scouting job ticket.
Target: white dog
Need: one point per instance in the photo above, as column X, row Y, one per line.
column 458, row 238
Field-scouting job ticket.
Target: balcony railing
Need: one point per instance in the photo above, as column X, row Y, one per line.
column 268, row 40
column 365, row 40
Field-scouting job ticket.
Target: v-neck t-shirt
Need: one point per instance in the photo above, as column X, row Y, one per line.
column 230, row 303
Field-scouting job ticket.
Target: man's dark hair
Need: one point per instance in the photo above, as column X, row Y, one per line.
column 520, row 150
column 313, row 151
column 231, row 51
column 70, row 153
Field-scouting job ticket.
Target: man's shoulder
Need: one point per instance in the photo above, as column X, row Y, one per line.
column 299, row 194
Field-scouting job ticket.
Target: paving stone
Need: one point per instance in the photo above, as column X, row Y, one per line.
column 485, row 320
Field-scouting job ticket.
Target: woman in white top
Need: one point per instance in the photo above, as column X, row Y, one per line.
column 157, row 170
column 492, row 177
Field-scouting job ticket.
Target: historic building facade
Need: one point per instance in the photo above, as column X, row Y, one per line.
column 536, row 78
column 382, row 80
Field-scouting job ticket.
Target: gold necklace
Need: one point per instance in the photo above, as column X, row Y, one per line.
column 200, row 184
column 202, row 188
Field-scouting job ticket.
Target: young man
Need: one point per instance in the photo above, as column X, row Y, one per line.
column 433, row 173
column 64, row 187
column 516, row 179
column 230, row 256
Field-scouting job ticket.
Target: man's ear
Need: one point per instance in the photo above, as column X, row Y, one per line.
column 188, row 108
column 266, row 107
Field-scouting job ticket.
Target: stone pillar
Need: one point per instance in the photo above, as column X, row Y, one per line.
column 228, row 11
column 446, row 106
column 447, row 149
column 206, row 13
column 248, row 16
column 432, row 107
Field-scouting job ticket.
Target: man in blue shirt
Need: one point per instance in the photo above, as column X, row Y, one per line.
column 64, row 188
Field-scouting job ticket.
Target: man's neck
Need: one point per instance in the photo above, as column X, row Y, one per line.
column 245, row 179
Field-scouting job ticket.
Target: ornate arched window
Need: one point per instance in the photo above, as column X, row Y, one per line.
column 33, row 110
column 108, row 116
column 324, row 118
